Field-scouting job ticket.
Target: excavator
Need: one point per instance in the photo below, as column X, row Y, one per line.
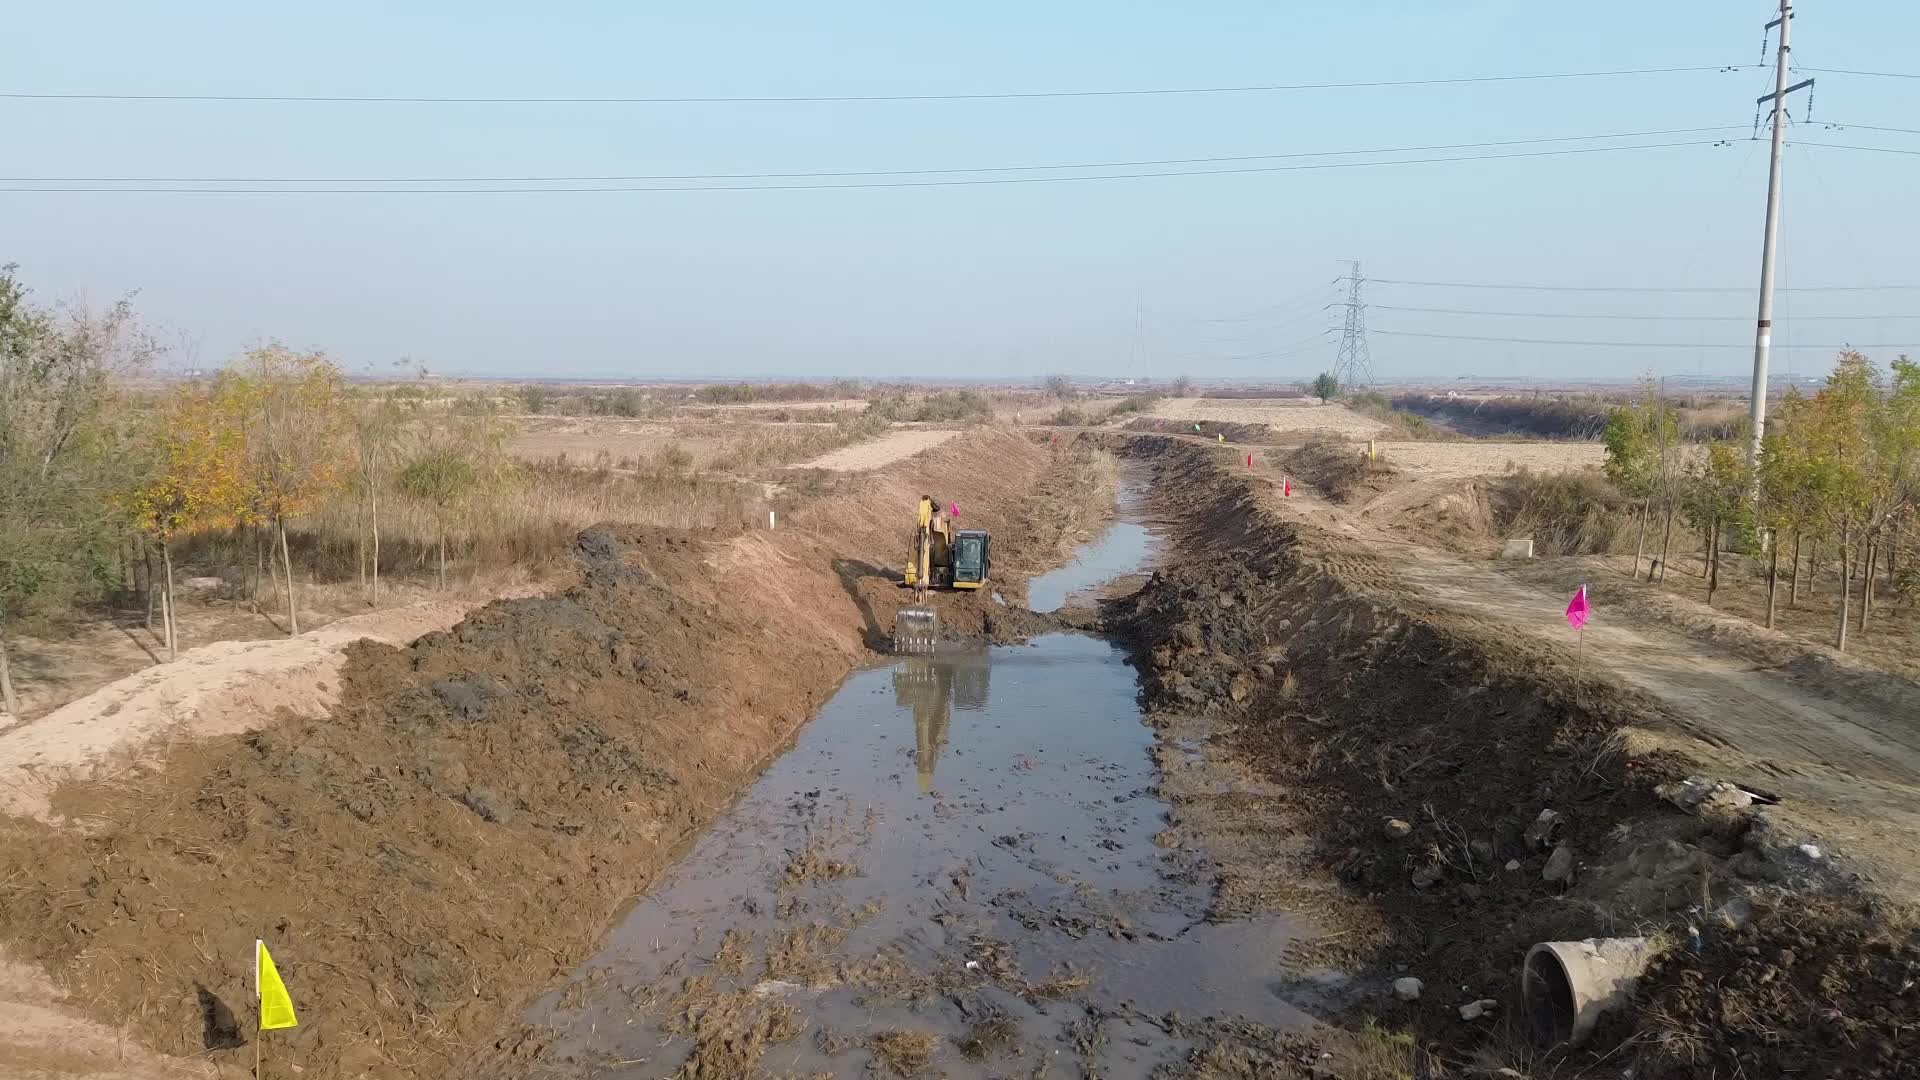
column 943, row 557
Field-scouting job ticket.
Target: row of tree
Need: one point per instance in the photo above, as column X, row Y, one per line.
column 100, row 478
column 1839, row 468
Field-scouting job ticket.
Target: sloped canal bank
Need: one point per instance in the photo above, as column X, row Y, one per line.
column 958, row 868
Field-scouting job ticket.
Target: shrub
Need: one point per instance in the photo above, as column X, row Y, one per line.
column 1566, row 513
column 945, row 406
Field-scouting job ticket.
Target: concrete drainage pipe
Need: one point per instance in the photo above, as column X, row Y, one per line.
column 1565, row 986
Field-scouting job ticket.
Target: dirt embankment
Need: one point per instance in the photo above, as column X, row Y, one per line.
column 463, row 825
column 1378, row 765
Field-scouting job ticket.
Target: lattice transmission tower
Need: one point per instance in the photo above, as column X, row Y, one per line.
column 1353, row 366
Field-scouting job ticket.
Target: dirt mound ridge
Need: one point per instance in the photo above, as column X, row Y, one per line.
column 1341, row 470
column 1415, row 748
column 460, row 828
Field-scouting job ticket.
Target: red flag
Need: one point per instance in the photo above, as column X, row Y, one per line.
column 1249, row 461
column 1578, row 609
column 1287, row 491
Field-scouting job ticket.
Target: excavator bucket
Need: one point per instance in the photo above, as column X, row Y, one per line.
column 915, row 630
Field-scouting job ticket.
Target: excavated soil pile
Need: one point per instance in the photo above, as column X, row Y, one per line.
column 1808, row 987
column 1337, row 468
column 460, row 830
column 1418, row 750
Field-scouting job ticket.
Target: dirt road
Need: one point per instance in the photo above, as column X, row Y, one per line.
column 884, row 450
column 1843, row 752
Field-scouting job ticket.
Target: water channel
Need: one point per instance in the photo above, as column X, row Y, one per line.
column 956, row 845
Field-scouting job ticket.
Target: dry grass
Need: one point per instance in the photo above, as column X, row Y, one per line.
column 736, row 949
column 1398, row 423
column 990, row 1035
column 770, row 446
column 527, row 522
column 816, row 863
column 1062, row 985
column 902, row 1052
column 731, row 1032
column 1093, row 479
column 1566, row 513
column 806, row 955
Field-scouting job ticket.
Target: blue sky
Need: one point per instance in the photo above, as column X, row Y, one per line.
column 1224, row 271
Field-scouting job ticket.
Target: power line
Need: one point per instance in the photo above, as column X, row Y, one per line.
column 810, row 186
column 1278, row 352
column 1009, row 95
column 1637, row 344
column 1274, row 328
column 1633, row 288
column 1850, row 71
column 1145, row 163
column 1844, row 146
column 1834, row 125
column 1662, row 318
column 1312, row 304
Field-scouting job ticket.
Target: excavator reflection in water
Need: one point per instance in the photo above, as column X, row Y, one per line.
column 932, row 689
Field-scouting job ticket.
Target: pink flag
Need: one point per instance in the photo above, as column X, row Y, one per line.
column 1578, row 609
column 953, row 509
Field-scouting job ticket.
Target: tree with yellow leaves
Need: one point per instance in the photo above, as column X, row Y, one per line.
column 291, row 410
column 292, row 416
column 197, row 483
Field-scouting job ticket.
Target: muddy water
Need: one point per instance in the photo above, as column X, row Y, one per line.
column 1123, row 547
column 959, row 848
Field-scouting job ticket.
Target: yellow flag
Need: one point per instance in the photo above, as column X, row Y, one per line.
column 276, row 1007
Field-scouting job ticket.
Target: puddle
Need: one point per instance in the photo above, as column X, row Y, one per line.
column 956, row 846
column 1121, row 549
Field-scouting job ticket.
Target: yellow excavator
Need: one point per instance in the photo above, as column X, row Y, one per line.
column 943, row 557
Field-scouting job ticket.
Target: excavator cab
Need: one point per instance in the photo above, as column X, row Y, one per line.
column 972, row 558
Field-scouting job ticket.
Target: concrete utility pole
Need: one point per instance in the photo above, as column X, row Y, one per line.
column 1763, row 330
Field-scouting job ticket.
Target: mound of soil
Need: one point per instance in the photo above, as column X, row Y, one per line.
column 459, row 830
column 1804, row 985
column 1339, row 469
